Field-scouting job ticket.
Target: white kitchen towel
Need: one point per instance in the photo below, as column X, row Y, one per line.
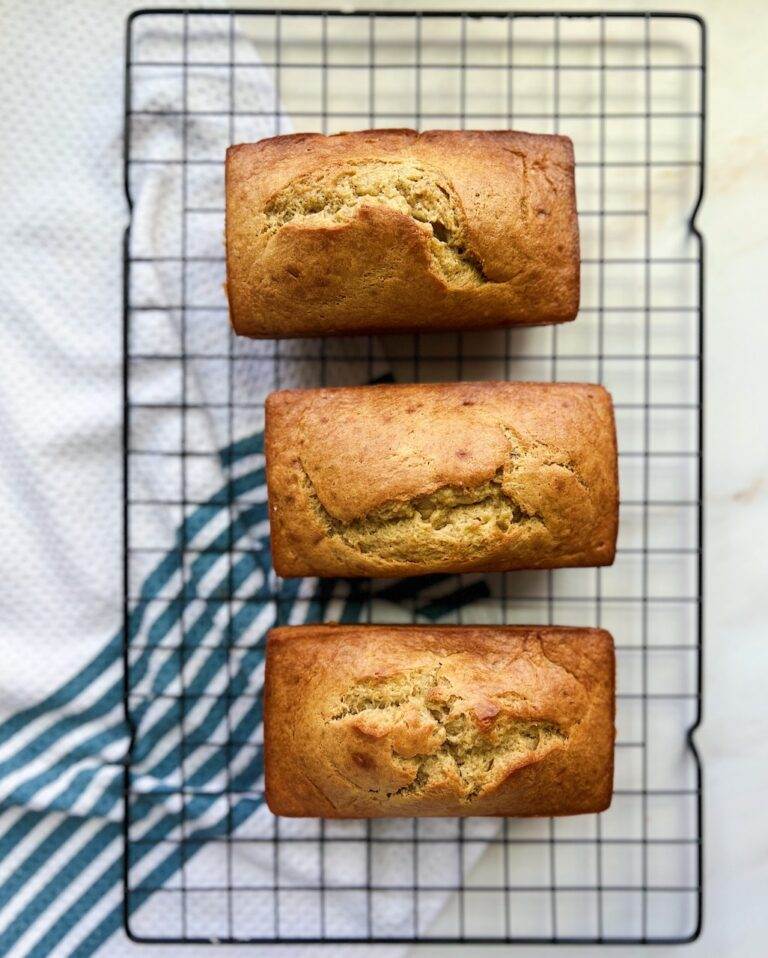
column 63, row 734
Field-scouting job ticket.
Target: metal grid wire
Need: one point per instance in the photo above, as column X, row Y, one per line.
column 204, row 858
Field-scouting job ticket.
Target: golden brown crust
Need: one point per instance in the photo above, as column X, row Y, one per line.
column 397, row 480
column 381, row 721
column 392, row 230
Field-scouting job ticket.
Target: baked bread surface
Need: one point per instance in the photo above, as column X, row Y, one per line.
column 380, row 721
column 394, row 230
column 397, row 480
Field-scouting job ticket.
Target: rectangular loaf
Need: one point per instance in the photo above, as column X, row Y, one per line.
column 392, row 230
column 400, row 480
column 380, row 721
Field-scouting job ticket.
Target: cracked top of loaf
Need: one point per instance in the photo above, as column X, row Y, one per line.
column 394, row 230
column 396, row 480
column 368, row 721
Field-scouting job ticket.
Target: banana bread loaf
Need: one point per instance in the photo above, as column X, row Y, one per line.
column 380, row 721
column 397, row 480
column 392, row 230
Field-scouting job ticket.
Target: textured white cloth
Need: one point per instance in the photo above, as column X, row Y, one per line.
column 62, row 737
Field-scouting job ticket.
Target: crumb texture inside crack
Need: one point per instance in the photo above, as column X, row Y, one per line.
column 335, row 196
column 430, row 526
column 410, row 732
column 452, row 519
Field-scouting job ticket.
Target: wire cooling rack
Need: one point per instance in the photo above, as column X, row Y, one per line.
column 204, row 858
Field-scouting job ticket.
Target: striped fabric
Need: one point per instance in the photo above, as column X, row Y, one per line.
column 61, row 761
